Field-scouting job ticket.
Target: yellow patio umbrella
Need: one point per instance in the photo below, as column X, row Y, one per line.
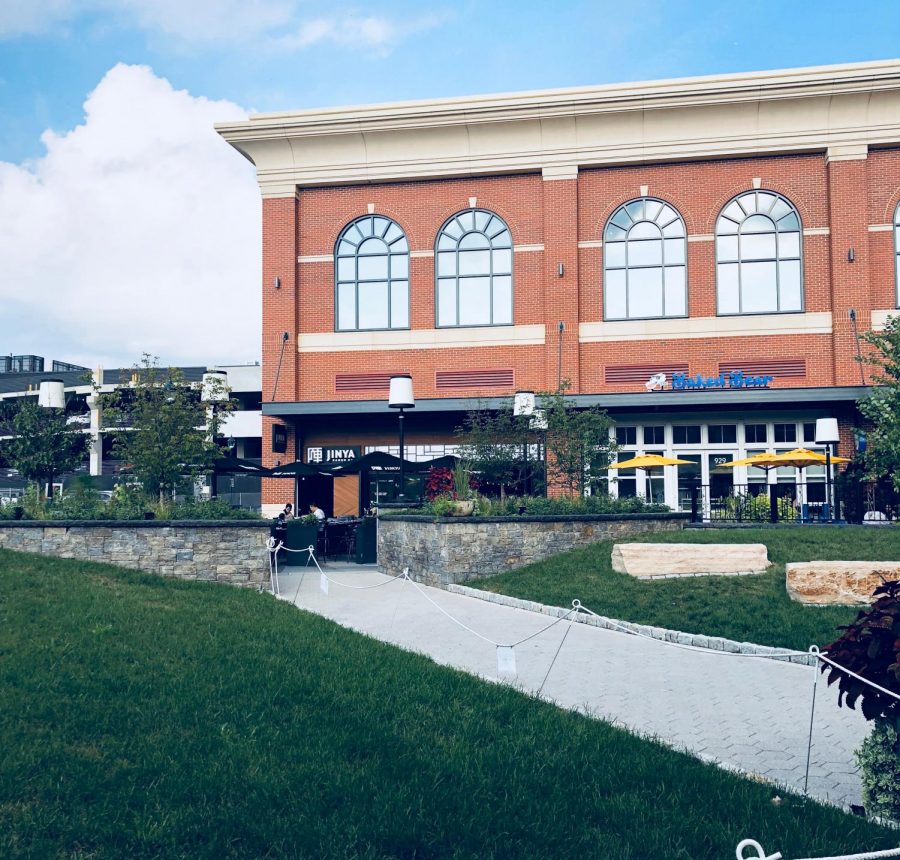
column 650, row 461
column 759, row 461
column 800, row 458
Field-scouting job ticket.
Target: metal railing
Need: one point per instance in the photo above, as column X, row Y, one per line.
column 757, row 503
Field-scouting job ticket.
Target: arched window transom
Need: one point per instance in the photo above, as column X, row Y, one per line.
column 371, row 264
column 759, row 255
column 473, row 268
column 644, row 262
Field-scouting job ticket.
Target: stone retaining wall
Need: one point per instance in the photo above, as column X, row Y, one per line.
column 445, row 550
column 231, row 551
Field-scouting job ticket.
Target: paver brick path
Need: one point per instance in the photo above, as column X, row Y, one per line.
column 747, row 713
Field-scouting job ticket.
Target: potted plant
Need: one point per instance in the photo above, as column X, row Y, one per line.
column 463, row 492
column 302, row 532
column 870, row 647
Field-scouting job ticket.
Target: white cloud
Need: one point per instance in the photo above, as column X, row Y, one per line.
column 292, row 24
column 351, row 30
column 139, row 230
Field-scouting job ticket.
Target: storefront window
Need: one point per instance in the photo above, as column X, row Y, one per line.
column 785, row 433
column 756, row 433
column 686, row 434
column 722, row 434
column 626, row 435
column 655, row 435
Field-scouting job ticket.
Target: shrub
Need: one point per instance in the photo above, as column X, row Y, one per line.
column 870, row 647
column 879, row 761
column 439, row 482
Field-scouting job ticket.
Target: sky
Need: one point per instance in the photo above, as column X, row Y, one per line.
column 128, row 226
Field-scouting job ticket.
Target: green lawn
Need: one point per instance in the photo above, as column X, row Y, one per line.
column 142, row 717
column 747, row 608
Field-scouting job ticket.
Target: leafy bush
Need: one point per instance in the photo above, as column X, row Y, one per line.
column 870, row 647
column 879, row 761
column 127, row 503
column 439, row 482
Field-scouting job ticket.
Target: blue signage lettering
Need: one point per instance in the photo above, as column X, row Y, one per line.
column 734, row 379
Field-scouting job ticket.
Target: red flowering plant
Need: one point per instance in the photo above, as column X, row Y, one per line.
column 441, row 482
column 438, row 482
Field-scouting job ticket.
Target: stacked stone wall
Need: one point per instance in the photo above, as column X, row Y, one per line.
column 232, row 552
column 444, row 551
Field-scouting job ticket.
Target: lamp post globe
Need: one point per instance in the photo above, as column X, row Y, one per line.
column 400, row 397
column 828, row 434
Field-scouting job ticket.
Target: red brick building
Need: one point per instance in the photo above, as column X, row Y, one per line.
column 732, row 233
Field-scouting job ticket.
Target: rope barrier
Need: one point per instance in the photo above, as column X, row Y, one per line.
column 819, row 656
column 773, row 655
column 761, row 854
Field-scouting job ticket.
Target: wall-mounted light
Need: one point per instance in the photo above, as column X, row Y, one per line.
column 561, row 270
column 851, row 255
column 277, row 282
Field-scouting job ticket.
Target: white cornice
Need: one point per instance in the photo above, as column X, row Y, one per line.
column 841, row 110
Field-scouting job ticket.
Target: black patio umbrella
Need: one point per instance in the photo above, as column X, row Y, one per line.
column 237, row 466
column 448, row 461
column 376, row 461
column 294, row 470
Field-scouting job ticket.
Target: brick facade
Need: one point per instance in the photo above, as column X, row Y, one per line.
column 844, row 200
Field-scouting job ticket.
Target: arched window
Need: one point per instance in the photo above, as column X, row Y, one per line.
column 897, row 250
column 371, row 264
column 759, row 257
column 644, row 262
column 473, row 269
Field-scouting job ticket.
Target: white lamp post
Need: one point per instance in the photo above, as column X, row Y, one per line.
column 213, row 390
column 401, row 397
column 523, row 404
column 827, row 434
column 52, row 395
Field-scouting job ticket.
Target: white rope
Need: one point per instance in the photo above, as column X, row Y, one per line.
column 772, row 655
column 815, row 652
column 761, row 854
column 459, row 623
column 312, row 555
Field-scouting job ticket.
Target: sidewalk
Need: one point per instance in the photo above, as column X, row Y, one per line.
column 747, row 713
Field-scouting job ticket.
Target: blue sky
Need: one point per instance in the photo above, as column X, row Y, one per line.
column 127, row 225
column 51, row 57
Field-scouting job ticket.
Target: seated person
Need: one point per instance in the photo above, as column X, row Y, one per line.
column 288, row 512
column 317, row 512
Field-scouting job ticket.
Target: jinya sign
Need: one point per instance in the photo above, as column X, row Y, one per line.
column 733, row 379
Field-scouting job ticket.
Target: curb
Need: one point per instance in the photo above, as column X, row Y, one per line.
column 696, row 640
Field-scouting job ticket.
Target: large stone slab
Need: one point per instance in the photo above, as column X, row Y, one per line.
column 661, row 560
column 841, row 583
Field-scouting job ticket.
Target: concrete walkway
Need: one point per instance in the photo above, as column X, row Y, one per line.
column 747, row 713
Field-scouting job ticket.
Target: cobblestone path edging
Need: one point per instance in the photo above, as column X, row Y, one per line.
column 697, row 640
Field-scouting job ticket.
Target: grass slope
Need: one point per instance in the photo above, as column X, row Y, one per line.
column 746, row 608
column 142, row 717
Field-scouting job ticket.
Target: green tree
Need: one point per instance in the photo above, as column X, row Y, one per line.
column 43, row 446
column 577, row 440
column 882, row 409
column 165, row 433
column 495, row 442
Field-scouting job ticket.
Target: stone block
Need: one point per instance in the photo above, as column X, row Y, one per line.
column 655, row 560
column 840, row 583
